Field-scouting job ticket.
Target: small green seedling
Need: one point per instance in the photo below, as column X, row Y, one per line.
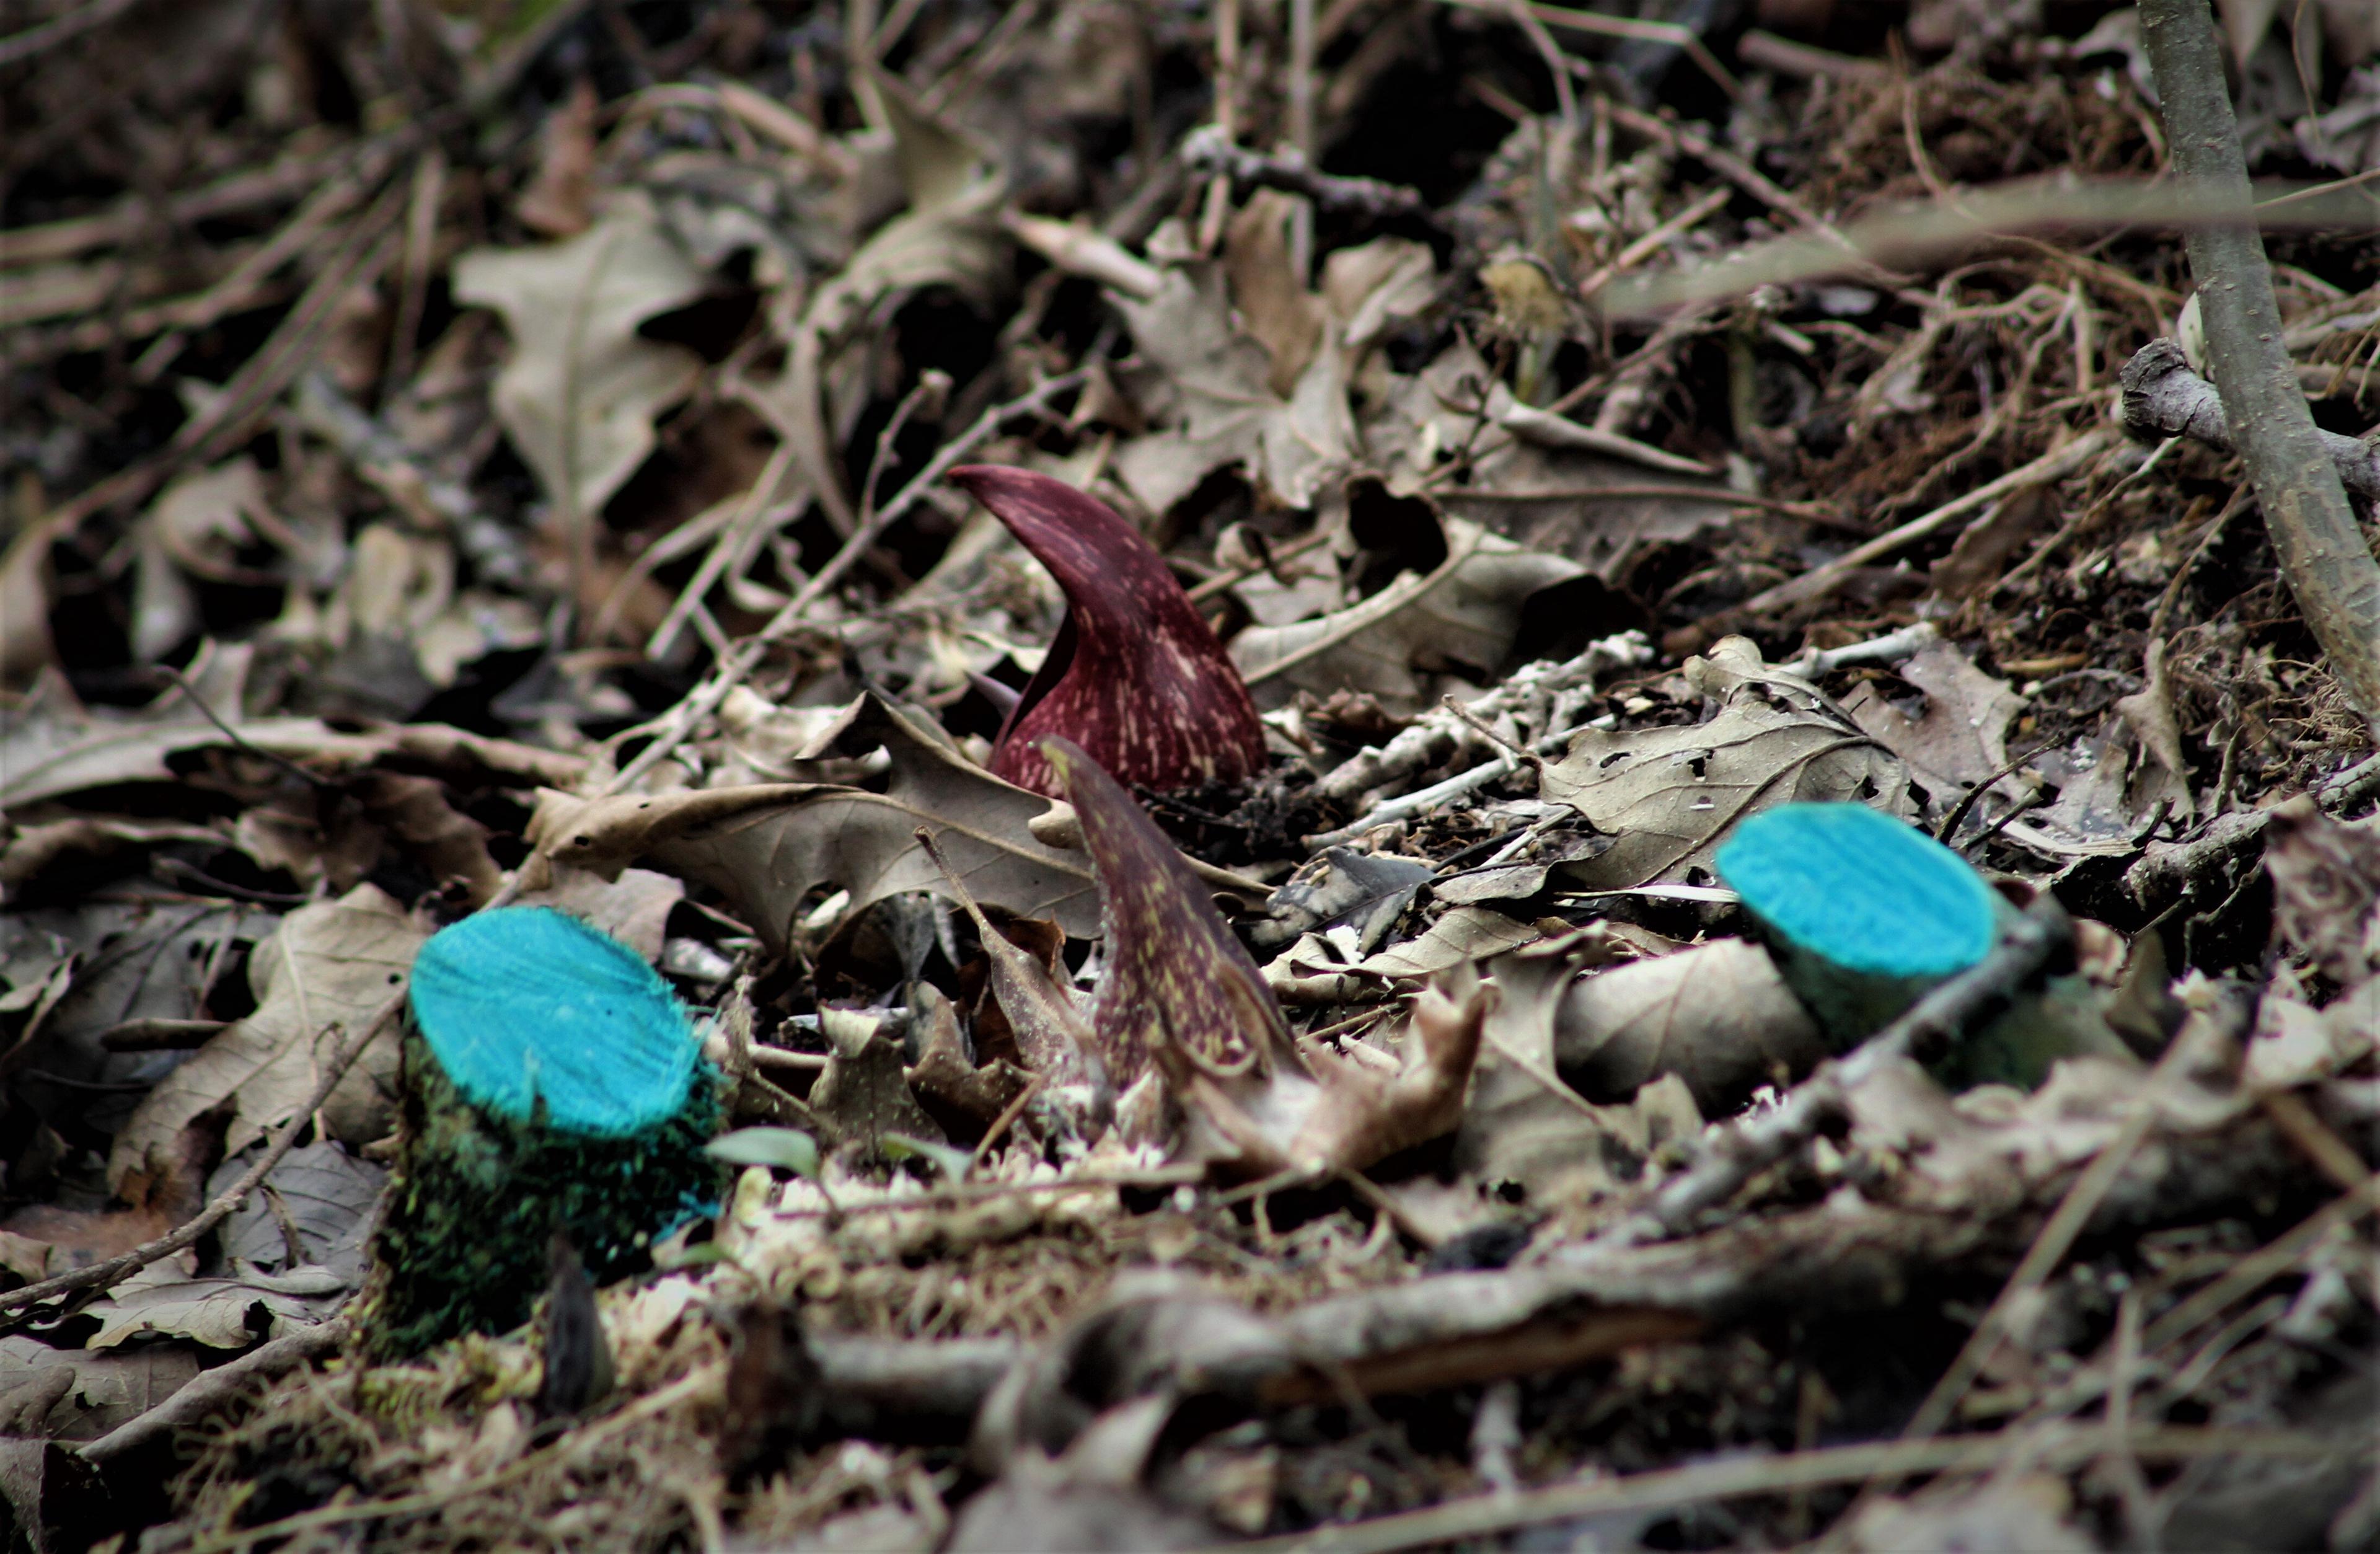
column 784, row 1149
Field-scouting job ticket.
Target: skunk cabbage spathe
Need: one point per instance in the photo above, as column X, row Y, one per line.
column 1136, row 676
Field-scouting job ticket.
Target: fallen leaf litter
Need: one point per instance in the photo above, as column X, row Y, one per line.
column 554, row 491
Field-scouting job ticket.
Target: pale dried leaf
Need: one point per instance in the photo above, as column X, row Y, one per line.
column 1426, row 416
column 1523, row 1125
column 580, row 391
column 1280, row 314
column 332, row 963
column 632, row 909
column 70, row 1394
column 327, row 1196
column 51, row 747
column 2033, row 1512
column 1467, row 933
column 214, row 1311
column 1961, row 735
column 1227, row 412
column 1718, row 1015
column 1462, row 618
column 949, row 235
column 1669, row 794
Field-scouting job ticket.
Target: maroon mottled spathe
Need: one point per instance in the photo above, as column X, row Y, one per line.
column 1180, row 989
column 1136, row 676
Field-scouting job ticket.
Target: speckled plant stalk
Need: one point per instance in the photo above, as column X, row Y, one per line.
column 1180, row 989
column 1136, row 676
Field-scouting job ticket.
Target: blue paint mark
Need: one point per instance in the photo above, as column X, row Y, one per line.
column 1860, row 889
column 525, row 1004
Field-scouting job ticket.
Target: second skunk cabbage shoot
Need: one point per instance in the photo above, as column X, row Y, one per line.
column 527, row 1008
column 1136, row 676
column 1182, row 1001
column 1863, row 912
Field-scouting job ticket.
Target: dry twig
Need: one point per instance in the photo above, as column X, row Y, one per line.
column 2329, row 569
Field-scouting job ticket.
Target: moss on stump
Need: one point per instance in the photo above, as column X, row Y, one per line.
column 551, row 1082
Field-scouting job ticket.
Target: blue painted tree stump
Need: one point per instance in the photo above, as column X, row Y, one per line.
column 552, row 1081
column 1865, row 914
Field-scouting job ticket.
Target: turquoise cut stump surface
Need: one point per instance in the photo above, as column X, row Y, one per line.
column 1863, row 913
column 526, row 1006
column 552, row 1081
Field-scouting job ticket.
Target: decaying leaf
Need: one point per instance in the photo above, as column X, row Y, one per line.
column 1256, row 374
column 2033, row 1511
column 1960, row 738
column 1669, row 794
column 1050, row 1030
column 196, row 527
column 632, row 909
column 1433, row 412
column 1460, row 935
column 580, row 395
column 1136, row 676
column 1180, row 993
column 770, row 846
column 2325, row 890
column 220, row 1313
column 51, row 747
column 965, row 1098
column 320, row 1195
column 1227, row 412
column 329, row 964
column 1338, row 885
column 947, row 237
column 1523, row 1125
column 864, row 1094
column 77, row 1394
column 1718, row 1015
column 1461, row 618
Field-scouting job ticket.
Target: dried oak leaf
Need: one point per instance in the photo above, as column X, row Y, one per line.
column 75, row 1395
column 1959, row 738
column 1461, row 617
column 51, row 747
column 864, row 1095
column 578, row 396
column 1180, row 993
column 1053, row 1035
column 769, row 845
column 1423, row 418
column 962, row 1096
column 1670, row 793
column 1136, row 675
column 949, row 235
column 220, row 1313
column 1718, row 1015
column 1222, row 409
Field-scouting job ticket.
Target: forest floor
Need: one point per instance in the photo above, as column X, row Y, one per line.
column 497, row 453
